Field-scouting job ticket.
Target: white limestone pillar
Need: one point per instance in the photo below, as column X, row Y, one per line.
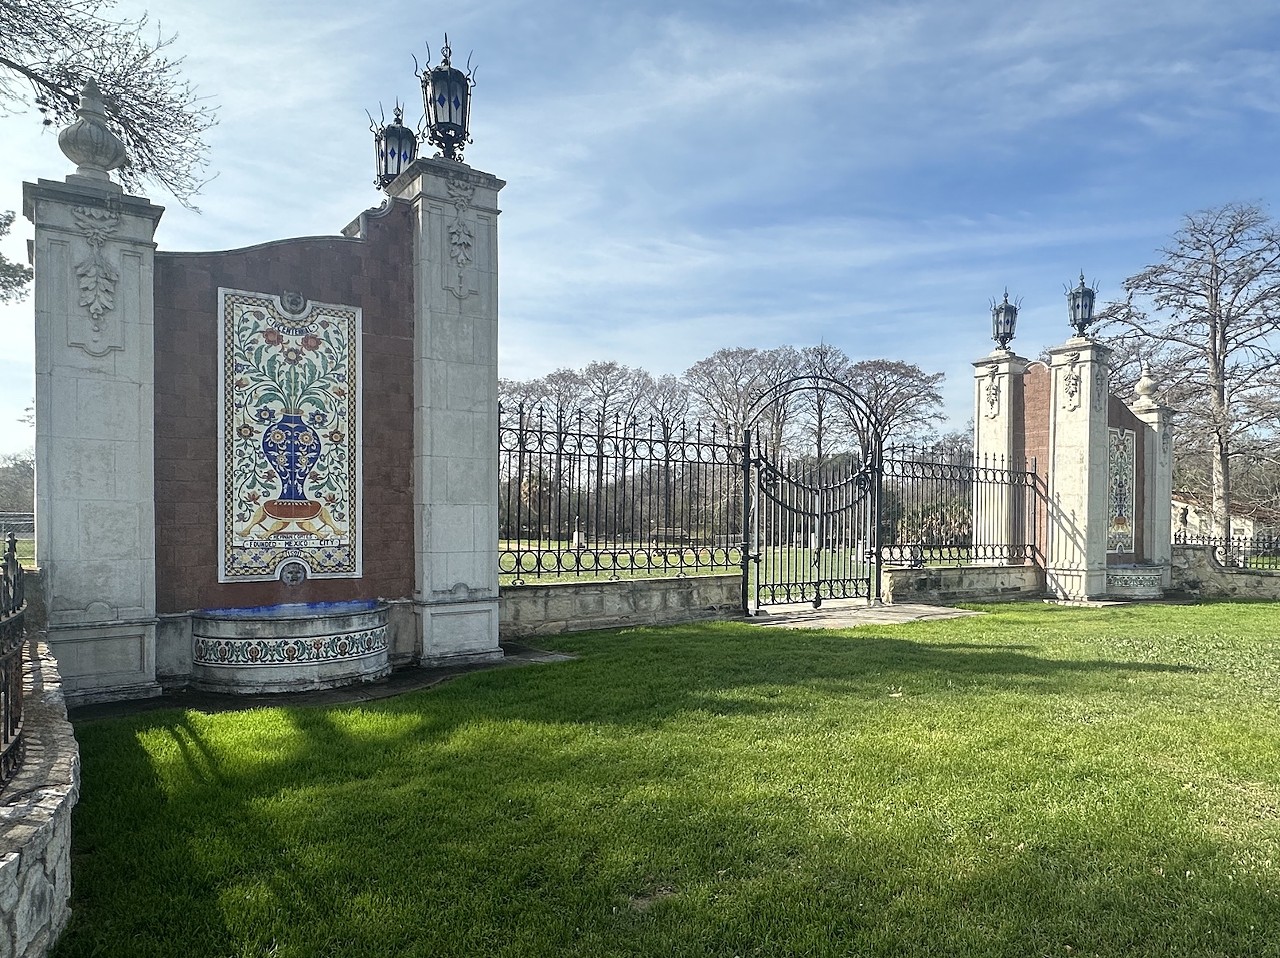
column 456, row 408
column 95, row 512
column 1157, row 446
column 997, row 445
column 1076, row 564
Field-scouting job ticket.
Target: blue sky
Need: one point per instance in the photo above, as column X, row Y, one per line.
column 686, row 177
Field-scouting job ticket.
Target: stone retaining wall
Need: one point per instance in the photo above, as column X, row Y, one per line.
column 945, row 584
column 1197, row 570
column 527, row 610
column 35, row 817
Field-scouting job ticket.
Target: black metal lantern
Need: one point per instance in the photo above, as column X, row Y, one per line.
column 1080, row 305
column 1004, row 319
column 446, row 96
column 394, row 148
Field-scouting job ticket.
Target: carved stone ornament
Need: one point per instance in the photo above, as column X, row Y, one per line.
column 462, row 239
column 1166, row 444
column 1071, row 382
column 992, row 393
column 97, row 277
column 89, row 142
column 1100, row 390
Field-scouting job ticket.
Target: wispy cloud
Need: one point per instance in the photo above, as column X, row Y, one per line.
column 686, row 176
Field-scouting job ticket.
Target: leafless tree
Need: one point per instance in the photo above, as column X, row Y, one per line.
column 725, row 384
column 1205, row 318
column 612, row 392
column 904, row 398
column 48, row 48
column 18, row 482
column 665, row 400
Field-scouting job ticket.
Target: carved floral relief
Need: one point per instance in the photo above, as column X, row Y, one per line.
column 992, row 393
column 96, row 276
column 461, row 238
column 1071, row 382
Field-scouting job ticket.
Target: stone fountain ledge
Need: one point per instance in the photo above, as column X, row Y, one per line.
column 1136, row 580
column 289, row 648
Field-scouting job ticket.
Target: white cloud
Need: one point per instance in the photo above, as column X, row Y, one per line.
column 689, row 176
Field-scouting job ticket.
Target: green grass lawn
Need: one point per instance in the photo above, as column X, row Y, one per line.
column 1039, row 781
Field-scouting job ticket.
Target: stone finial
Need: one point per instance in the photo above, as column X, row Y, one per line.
column 89, row 142
column 1146, row 387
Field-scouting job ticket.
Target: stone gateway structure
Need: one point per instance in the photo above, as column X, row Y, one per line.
column 1107, row 467
column 267, row 468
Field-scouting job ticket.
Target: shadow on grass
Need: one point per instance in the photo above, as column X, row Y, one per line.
column 621, row 805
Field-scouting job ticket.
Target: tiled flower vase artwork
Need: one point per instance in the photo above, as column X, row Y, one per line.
column 290, row 430
column 1121, row 473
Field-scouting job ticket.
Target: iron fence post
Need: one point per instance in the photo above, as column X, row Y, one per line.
column 746, row 520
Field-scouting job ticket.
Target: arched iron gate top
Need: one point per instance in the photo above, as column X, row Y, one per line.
column 811, row 539
column 822, row 382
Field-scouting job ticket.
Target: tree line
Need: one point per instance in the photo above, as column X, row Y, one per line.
column 717, row 392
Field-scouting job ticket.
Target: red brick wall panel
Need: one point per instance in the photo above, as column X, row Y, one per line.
column 374, row 273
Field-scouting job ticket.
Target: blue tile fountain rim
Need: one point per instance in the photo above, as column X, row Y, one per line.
column 293, row 610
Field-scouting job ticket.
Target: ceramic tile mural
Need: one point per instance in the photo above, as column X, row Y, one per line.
column 1122, row 479
column 289, row 463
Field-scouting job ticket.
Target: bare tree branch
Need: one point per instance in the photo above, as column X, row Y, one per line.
column 1210, row 330
column 48, row 49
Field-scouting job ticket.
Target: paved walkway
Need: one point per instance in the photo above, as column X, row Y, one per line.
column 834, row 614
column 847, row 613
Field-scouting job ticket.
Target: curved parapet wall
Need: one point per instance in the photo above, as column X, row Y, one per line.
column 289, row 648
column 1197, row 570
column 35, row 816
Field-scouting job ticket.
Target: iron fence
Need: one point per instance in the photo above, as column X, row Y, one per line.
column 1242, row 552
column 953, row 510
column 21, row 524
column 607, row 497
column 12, row 635
column 593, row 497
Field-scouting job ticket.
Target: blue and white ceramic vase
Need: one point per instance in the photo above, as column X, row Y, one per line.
column 292, row 448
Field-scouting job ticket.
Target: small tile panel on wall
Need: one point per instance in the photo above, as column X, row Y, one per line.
column 1122, row 483
column 289, row 438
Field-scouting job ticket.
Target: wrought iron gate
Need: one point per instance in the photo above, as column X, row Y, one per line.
column 811, row 503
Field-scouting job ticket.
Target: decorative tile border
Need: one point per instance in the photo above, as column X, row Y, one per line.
column 306, row 650
column 1131, row 583
column 289, row 466
column 1134, row 580
column 1122, row 478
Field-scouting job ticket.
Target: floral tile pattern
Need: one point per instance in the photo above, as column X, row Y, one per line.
column 289, row 461
column 295, row 651
column 1122, row 478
